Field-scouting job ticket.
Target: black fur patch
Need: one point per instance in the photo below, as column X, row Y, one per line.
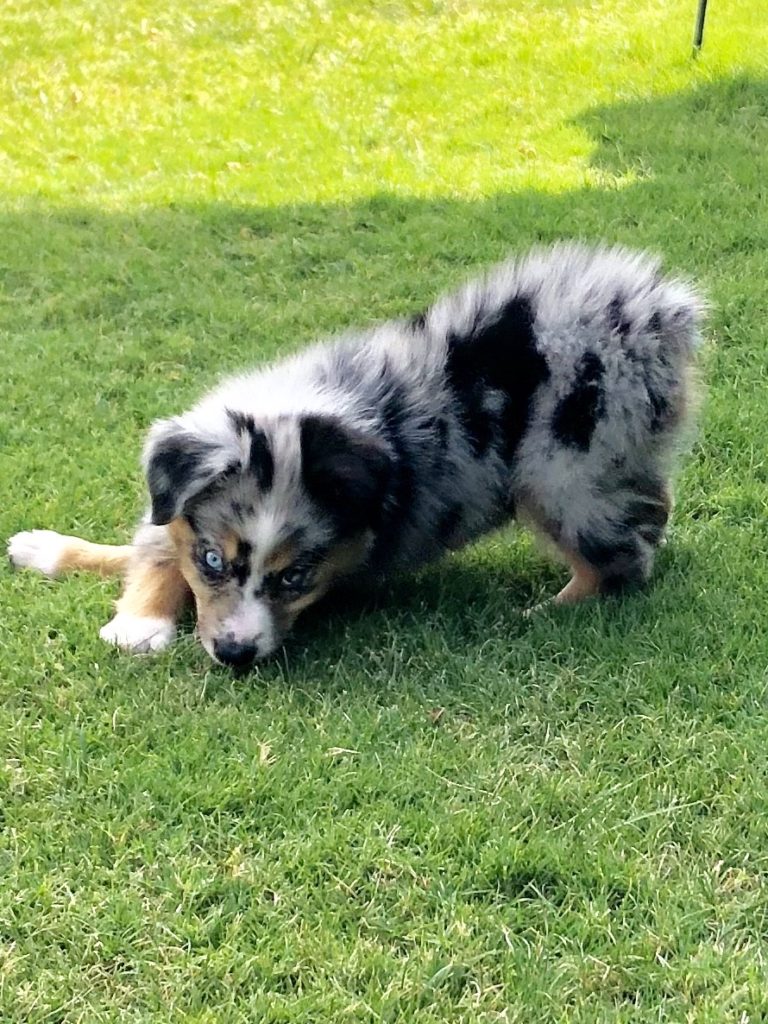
column 601, row 553
column 402, row 481
column 241, row 564
column 449, row 523
column 500, row 355
column 625, row 560
column 654, row 323
column 478, row 425
column 576, row 416
column 241, row 421
column 345, row 472
column 648, row 517
column 418, row 321
column 614, row 584
column 172, row 468
column 660, row 410
column 441, row 431
column 621, row 561
column 617, row 320
column 260, row 461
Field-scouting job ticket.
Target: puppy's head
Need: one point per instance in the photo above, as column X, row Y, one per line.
column 265, row 516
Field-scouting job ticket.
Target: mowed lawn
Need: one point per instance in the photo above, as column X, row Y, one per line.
column 430, row 809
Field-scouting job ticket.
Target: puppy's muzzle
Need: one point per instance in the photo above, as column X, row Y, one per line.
column 237, row 656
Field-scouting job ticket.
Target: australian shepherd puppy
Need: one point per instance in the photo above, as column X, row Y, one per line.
column 552, row 390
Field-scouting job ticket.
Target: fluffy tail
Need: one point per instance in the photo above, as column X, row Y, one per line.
column 54, row 554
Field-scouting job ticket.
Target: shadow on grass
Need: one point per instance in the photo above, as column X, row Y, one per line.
column 142, row 309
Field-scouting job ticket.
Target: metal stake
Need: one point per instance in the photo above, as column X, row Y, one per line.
column 698, row 34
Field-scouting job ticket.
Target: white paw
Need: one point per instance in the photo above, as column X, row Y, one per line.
column 139, row 634
column 37, row 549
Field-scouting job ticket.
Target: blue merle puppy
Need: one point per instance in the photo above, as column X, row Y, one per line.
column 554, row 390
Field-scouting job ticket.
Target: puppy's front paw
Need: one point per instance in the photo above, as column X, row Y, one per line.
column 37, row 549
column 138, row 634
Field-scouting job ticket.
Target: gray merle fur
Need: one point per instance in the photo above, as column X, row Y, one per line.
column 557, row 386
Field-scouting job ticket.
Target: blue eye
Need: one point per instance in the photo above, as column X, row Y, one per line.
column 214, row 560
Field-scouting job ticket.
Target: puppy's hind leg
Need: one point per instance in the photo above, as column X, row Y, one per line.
column 611, row 549
column 618, row 544
column 584, row 583
column 586, row 578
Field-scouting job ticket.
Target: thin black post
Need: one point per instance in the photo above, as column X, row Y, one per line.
column 698, row 34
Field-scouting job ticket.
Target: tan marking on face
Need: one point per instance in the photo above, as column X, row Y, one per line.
column 183, row 538
column 213, row 603
column 229, row 545
column 283, row 556
column 216, row 604
column 340, row 562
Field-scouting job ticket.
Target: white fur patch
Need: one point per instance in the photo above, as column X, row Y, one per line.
column 252, row 623
column 37, row 549
column 139, row 634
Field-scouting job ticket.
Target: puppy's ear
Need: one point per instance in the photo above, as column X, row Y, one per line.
column 345, row 471
column 179, row 462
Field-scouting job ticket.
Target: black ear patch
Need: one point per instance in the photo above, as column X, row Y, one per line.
column 346, row 472
column 177, row 466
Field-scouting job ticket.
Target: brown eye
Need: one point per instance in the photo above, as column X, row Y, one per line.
column 293, row 578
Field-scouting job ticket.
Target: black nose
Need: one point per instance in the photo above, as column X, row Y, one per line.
column 237, row 656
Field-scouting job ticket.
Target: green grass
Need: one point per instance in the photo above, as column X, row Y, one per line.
column 429, row 810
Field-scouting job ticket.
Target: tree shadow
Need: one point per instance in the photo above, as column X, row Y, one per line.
column 125, row 316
